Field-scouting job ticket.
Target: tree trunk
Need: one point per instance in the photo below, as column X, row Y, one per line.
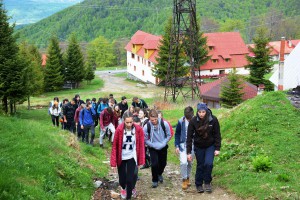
column 11, row 107
column 5, row 105
column 15, row 108
column 28, row 100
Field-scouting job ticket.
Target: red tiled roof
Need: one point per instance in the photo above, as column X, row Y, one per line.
column 211, row 91
column 226, row 45
column 148, row 41
column 287, row 50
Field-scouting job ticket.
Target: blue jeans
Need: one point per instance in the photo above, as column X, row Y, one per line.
column 205, row 159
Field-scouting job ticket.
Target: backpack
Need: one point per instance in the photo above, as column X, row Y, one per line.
column 162, row 126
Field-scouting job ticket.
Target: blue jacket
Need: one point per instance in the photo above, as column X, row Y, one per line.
column 86, row 118
column 101, row 107
column 156, row 138
column 180, row 133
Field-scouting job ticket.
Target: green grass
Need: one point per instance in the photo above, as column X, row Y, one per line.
column 267, row 126
column 123, row 74
column 85, row 90
column 39, row 161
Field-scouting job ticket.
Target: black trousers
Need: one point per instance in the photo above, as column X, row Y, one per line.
column 55, row 120
column 70, row 125
column 128, row 175
column 158, row 162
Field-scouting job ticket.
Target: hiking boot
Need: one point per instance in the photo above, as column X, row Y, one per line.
column 200, row 189
column 188, row 183
column 160, row 178
column 154, row 184
column 144, row 166
column 207, row 187
column 184, row 184
column 123, row 193
column 134, row 193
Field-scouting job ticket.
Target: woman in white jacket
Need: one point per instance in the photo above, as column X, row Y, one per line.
column 55, row 113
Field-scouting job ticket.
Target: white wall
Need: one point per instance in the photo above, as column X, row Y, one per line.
column 216, row 72
column 141, row 65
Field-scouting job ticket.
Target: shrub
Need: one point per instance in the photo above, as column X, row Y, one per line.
column 283, row 178
column 261, row 163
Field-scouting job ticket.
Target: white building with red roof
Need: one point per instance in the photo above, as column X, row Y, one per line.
column 227, row 51
column 142, row 51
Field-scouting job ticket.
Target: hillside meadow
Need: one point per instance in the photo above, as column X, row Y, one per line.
column 259, row 156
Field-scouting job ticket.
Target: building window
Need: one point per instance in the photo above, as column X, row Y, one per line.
column 146, row 51
column 227, row 59
column 214, row 60
column 211, row 47
column 138, row 59
column 132, row 55
column 133, row 46
column 143, row 73
column 210, row 70
column 134, row 68
column 222, row 71
column 142, row 60
column 149, row 64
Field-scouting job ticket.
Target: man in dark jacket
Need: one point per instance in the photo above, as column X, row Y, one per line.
column 136, row 102
column 78, row 101
column 204, row 133
column 69, row 113
column 86, row 120
column 123, row 105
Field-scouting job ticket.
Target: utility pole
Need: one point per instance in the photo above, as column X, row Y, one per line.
column 184, row 31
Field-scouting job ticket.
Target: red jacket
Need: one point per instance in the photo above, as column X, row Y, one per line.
column 76, row 117
column 116, row 151
column 106, row 119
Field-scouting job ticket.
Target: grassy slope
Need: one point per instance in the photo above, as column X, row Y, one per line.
column 269, row 126
column 41, row 162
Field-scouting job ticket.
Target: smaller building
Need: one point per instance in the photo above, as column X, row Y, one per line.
column 210, row 92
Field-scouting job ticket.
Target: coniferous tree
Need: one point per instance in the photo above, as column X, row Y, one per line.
column 89, row 73
column 261, row 64
column 33, row 73
column 74, row 63
column 160, row 70
column 11, row 67
column 231, row 90
column 53, row 77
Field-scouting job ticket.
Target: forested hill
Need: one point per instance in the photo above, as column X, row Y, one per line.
column 115, row 19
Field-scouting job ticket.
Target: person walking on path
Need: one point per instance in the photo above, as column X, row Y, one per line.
column 87, row 122
column 107, row 122
column 204, row 134
column 127, row 154
column 123, row 105
column 55, row 113
column 157, row 134
column 69, row 113
column 136, row 102
column 180, row 145
column 80, row 132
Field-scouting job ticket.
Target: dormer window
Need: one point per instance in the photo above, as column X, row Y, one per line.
column 146, row 51
column 227, row 59
column 133, row 46
column 211, row 47
column 214, row 60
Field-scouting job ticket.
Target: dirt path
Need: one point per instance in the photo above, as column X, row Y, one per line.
column 171, row 188
column 114, row 84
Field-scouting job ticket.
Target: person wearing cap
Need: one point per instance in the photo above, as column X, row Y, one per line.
column 204, row 133
column 123, row 105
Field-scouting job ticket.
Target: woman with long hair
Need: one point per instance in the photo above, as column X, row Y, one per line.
column 204, row 134
column 127, row 154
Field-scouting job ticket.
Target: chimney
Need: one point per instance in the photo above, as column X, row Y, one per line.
column 290, row 45
column 281, row 64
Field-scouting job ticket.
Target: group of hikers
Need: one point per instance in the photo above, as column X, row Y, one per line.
column 140, row 137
